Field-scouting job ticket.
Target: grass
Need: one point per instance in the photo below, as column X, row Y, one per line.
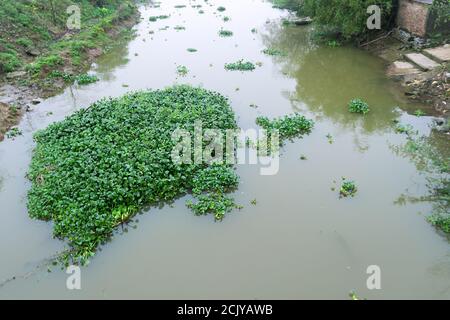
column 240, row 66
column 25, row 27
column 97, row 168
column 358, row 106
column 85, row 79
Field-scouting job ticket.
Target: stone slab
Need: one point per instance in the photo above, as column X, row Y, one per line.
column 422, row 61
column 441, row 54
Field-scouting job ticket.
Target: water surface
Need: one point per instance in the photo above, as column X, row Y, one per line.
column 300, row 240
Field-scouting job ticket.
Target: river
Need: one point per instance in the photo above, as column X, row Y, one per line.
column 300, row 241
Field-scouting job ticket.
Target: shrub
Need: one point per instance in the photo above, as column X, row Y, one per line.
column 358, row 106
column 349, row 17
column 96, row 169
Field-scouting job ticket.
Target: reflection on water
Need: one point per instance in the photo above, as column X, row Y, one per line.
column 328, row 78
column 300, row 240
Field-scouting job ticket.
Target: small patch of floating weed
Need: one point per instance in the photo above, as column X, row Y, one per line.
column 225, row 33
column 348, row 189
column 14, row 132
column 240, row 66
column 182, row 71
column 85, row 79
column 273, row 52
column 358, row 106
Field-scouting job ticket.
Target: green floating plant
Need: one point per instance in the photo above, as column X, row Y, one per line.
column 99, row 167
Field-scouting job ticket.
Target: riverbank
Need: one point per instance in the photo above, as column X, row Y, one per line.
column 42, row 56
column 428, row 87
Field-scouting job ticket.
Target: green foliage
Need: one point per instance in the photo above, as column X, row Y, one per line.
column 440, row 11
column 14, row 132
column 84, row 79
column 156, row 18
column 182, row 71
column 192, row 50
column 96, row 169
column 273, row 52
column 347, row 17
column 225, row 33
column 45, row 63
column 288, row 127
column 348, row 189
column 26, row 24
column 358, row 106
column 240, row 66
column 221, row 9
column 419, row 113
column 406, row 129
column 24, row 42
column 9, row 62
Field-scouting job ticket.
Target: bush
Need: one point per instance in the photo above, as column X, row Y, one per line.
column 348, row 17
column 96, row 169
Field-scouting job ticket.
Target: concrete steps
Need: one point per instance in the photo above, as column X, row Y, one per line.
column 419, row 65
column 440, row 54
column 422, row 61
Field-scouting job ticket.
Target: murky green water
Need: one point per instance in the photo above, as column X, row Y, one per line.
column 300, row 240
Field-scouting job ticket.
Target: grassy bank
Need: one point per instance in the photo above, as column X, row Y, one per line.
column 37, row 48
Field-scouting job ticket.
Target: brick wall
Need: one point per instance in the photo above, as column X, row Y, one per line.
column 413, row 16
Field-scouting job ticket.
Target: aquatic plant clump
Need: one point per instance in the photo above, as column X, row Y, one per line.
column 85, row 79
column 348, row 189
column 96, row 169
column 288, row 127
column 240, row 66
column 182, row 71
column 273, row 52
column 358, row 106
column 225, row 33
